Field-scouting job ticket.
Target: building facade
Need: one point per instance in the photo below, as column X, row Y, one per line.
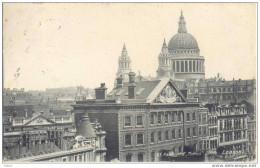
column 143, row 119
column 55, row 139
column 232, row 132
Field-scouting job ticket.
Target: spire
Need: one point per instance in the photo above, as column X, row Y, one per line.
column 164, row 43
column 124, row 51
column 182, row 25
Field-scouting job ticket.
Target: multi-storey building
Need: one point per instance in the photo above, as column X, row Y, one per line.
column 252, row 145
column 213, row 130
column 203, row 129
column 142, row 119
column 54, row 140
column 232, row 132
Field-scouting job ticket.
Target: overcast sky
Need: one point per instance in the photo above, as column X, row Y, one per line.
column 70, row 44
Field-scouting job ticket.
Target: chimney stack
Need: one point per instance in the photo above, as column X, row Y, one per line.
column 101, row 92
column 131, row 86
column 119, row 82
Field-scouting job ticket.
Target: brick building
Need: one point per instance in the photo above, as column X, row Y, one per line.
column 142, row 119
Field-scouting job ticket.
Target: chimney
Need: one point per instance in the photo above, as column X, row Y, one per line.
column 131, row 86
column 119, row 82
column 101, row 92
column 185, row 93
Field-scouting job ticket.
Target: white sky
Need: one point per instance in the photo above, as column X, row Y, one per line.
column 70, row 44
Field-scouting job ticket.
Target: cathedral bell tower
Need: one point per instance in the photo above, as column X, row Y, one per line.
column 124, row 66
column 165, row 63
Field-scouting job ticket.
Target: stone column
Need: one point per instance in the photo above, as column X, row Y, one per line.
column 192, row 66
column 188, row 66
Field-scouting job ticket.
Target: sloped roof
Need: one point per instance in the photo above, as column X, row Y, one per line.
column 147, row 90
column 143, row 89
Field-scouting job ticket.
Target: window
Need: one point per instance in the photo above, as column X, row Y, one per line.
column 200, row 118
column 140, row 138
column 193, row 116
column 159, row 119
column 180, row 134
column 166, row 135
column 173, row 134
column 139, row 121
column 128, row 158
column 153, row 156
column 80, row 158
column 204, row 118
column 205, row 130
column 179, row 116
column 194, row 131
column 140, row 157
column 166, row 118
column 152, row 137
column 128, row 121
column 64, row 159
column 159, row 136
column 188, row 116
column 188, row 132
column 199, row 130
column 128, row 139
column 75, row 158
column 173, row 116
column 152, row 119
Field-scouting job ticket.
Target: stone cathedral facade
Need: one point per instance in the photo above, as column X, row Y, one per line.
column 181, row 58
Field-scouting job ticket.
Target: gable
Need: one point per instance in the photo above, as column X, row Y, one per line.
column 169, row 94
column 40, row 120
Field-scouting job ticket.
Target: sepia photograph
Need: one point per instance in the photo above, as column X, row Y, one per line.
column 172, row 83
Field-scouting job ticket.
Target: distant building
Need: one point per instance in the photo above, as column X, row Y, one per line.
column 181, row 59
column 143, row 119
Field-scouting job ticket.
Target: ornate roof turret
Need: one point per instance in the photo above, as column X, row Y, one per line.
column 124, row 52
column 85, row 129
column 182, row 40
column 182, row 25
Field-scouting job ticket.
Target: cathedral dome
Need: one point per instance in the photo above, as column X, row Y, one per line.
column 182, row 41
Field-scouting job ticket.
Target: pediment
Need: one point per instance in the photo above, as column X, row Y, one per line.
column 39, row 121
column 169, row 94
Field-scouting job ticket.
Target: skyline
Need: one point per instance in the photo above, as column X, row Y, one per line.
column 53, row 36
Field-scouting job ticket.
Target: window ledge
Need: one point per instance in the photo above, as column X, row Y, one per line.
column 160, row 142
column 140, row 145
column 159, row 124
column 128, row 146
column 139, row 126
column 128, row 126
